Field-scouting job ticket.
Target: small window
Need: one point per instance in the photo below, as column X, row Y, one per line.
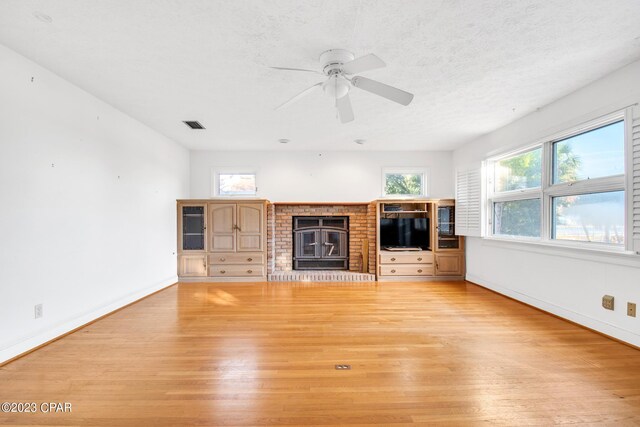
column 236, row 184
column 404, row 183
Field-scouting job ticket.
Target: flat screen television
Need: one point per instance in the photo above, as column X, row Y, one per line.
column 404, row 233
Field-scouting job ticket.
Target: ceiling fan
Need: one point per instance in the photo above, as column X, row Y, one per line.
column 339, row 65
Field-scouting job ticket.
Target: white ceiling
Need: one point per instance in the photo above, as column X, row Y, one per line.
column 473, row 65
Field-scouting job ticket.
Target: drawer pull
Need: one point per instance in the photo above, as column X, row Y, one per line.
column 222, row 271
column 249, row 271
column 393, row 271
column 419, row 259
column 393, row 259
column 419, row 271
column 249, row 259
column 222, row 259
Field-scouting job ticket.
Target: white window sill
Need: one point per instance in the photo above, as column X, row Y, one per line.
column 609, row 255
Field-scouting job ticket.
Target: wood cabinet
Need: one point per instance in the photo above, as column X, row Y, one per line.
column 426, row 229
column 444, row 230
column 449, row 248
column 192, row 241
column 449, row 264
column 193, row 265
column 231, row 244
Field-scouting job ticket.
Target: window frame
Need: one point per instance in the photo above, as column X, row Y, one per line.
column 494, row 197
column 215, row 180
column 548, row 190
column 406, row 170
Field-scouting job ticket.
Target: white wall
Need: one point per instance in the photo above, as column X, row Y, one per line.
column 567, row 283
column 88, row 206
column 321, row 176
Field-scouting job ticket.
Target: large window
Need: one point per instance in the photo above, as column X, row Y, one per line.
column 570, row 188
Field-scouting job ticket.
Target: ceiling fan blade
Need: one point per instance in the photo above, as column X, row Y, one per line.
column 381, row 89
column 364, row 63
column 300, row 95
column 345, row 112
column 296, row 69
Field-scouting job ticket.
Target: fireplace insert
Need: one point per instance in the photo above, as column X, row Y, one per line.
column 320, row 243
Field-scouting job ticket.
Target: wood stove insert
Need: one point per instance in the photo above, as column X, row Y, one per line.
column 320, row 243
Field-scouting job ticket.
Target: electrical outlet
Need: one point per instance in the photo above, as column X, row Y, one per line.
column 607, row 302
column 631, row 309
column 37, row 311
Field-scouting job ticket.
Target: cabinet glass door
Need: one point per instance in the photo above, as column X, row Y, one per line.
column 446, row 228
column 193, row 228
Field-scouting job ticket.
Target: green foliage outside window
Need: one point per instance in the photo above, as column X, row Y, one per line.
column 522, row 218
column 403, row 184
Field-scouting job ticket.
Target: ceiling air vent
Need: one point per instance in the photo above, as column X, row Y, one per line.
column 193, row 124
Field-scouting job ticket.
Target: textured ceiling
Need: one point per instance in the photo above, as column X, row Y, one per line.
column 473, row 65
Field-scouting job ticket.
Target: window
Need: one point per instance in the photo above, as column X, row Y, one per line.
column 596, row 217
column 593, row 154
column 519, row 172
column 517, row 218
column 404, row 182
column 587, row 186
column 570, row 188
column 516, row 194
column 235, row 184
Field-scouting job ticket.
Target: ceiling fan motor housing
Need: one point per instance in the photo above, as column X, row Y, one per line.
column 332, row 60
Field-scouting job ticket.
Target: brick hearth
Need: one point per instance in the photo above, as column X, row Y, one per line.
column 362, row 219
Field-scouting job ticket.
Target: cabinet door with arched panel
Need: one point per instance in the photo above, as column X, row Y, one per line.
column 222, row 223
column 249, row 228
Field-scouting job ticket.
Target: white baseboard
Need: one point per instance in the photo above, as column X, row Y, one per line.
column 589, row 322
column 27, row 343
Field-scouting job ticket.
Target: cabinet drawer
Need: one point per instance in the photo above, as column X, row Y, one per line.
column 423, row 257
column 406, row 270
column 236, row 270
column 236, row 258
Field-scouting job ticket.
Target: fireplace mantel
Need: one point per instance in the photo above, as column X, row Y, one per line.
column 321, row 203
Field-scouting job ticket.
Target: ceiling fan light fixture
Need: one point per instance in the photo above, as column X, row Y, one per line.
column 336, row 86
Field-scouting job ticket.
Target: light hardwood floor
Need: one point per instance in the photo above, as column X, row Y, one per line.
column 447, row 353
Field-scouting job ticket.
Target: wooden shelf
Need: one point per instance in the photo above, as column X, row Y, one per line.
column 321, row 203
column 403, row 212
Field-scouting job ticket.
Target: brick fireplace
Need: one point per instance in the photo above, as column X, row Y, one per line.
column 280, row 236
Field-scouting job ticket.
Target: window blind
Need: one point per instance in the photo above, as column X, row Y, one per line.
column 635, row 180
column 469, row 203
